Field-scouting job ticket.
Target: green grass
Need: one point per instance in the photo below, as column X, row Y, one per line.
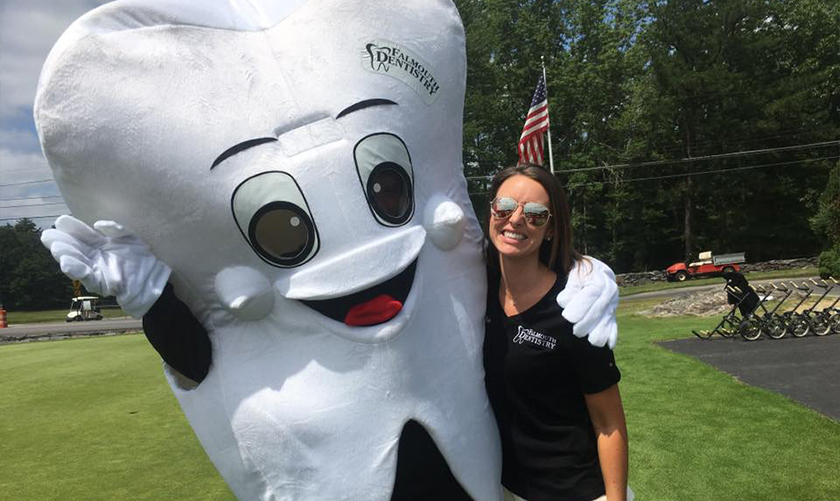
column 699, row 434
column 757, row 275
column 93, row 419
column 31, row 317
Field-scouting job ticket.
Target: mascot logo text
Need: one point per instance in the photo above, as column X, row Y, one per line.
column 389, row 57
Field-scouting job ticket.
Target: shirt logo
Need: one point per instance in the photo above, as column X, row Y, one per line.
column 388, row 58
column 530, row 336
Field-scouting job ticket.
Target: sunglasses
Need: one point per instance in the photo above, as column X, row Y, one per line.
column 535, row 214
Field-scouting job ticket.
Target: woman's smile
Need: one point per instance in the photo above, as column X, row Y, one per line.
column 513, row 235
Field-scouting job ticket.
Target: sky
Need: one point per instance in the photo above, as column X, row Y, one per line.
column 28, row 30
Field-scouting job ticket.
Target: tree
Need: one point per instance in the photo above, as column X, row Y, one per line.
column 826, row 223
column 646, row 99
column 29, row 276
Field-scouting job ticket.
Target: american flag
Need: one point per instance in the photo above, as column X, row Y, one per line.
column 536, row 124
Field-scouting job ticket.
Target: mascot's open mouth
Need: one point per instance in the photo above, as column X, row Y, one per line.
column 372, row 306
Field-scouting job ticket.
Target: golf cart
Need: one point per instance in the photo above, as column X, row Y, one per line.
column 706, row 266
column 84, row 308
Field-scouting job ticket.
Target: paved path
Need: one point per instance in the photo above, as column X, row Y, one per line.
column 59, row 330
column 805, row 369
column 684, row 291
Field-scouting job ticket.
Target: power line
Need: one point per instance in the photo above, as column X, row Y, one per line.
column 670, row 176
column 32, row 205
column 28, row 182
column 26, row 169
column 32, row 197
column 29, row 217
column 652, row 178
column 705, row 142
column 733, row 169
column 709, row 157
column 695, row 159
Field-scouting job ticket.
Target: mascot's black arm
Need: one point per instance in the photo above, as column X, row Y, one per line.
column 177, row 336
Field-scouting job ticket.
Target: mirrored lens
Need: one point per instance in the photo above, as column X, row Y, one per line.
column 503, row 207
column 536, row 214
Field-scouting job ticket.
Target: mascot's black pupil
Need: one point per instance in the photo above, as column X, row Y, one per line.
column 282, row 233
column 389, row 190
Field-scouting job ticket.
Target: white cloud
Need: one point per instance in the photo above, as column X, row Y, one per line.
column 17, row 167
column 28, row 30
column 18, row 141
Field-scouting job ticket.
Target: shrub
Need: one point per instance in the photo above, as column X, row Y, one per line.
column 830, row 263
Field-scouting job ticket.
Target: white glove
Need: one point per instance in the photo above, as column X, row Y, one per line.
column 589, row 301
column 109, row 260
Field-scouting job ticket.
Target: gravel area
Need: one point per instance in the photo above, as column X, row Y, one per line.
column 703, row 303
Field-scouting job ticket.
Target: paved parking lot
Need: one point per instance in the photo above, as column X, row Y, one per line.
column 805, row 369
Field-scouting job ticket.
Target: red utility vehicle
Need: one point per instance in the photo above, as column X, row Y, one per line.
column 706, row 266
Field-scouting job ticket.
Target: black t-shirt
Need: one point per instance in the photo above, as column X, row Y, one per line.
column 537, row 373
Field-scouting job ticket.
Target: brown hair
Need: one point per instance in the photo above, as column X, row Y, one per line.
column 557, row 254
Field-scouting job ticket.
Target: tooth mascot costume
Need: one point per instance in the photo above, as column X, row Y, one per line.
column 290, row 171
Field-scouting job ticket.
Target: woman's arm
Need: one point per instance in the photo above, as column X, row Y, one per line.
column 607, row 415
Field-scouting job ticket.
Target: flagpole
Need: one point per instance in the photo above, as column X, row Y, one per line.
column 550, row 155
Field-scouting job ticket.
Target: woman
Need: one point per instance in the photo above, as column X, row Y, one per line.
column 555, row 395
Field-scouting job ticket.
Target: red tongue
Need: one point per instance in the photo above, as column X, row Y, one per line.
column 376, row 311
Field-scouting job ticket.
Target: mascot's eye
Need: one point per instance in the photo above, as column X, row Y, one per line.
column 384, row 168
column 274, row 218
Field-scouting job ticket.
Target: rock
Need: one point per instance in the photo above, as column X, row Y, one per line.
column 694, row 303
column 782, row 264
column 639, row 278
column 646, row 277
